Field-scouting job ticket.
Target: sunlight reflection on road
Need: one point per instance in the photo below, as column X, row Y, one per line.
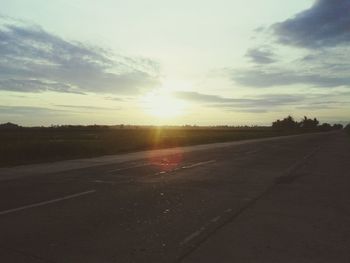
column 168, row 163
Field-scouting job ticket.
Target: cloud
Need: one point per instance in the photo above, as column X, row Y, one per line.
column 35, row 85
column 256, row 104
column 316, row 43
column 33, row 60
column 62, row 110
column 268, row 102
column 29, row 111
column 325, row 24
column 87, row 107
column 270, row 77
column 114, row 98
column 200, row 97
column 260, row 55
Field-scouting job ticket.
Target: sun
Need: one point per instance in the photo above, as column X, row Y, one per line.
column 162, row 104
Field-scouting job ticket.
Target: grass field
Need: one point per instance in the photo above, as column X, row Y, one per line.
column 34, row 145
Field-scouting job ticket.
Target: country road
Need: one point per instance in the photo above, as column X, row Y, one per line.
column 270, row 200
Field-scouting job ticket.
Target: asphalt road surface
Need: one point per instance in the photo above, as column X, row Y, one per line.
column 186, row 205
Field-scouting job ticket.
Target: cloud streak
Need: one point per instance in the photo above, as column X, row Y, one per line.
column 320, row 33
column 267, row 102
column 30, row 111
column 33, row 60
column 255, row 104
column 260, row 56
column 86, row 107
column 270, row 77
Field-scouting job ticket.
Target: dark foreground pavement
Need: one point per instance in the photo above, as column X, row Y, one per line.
column 305, row 217
column 283, row 200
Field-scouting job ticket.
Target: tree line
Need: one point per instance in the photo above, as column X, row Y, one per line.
column 287, row 123
column 306, row 123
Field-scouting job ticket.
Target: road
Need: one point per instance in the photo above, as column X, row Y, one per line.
column 178, row 205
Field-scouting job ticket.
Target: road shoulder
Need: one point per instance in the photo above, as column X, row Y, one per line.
column 305, row 219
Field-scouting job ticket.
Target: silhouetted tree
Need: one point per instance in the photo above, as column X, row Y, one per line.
column 285, row 124
column 326, row 127
column 307, row 123
column 9, row 126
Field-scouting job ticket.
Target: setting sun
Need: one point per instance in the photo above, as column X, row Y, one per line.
column 162, row 104
column 174, row 131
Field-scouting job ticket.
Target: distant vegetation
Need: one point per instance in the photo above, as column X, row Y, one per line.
column 9, row 126
column 23, row 145
column 305, row 124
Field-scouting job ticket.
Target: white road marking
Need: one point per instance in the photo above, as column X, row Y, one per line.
column 192, row 236
column 103, row 182
column 215, row 219
column 130, row 167
column 229, row 210
column 251, row 152
column 185, row 167
column 197, row 164
column 200, row 231
column 46, row 202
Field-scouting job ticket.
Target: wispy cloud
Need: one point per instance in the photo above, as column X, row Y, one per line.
column 274, row 76
column 54, row 111
column 200, row 97
column 252, row 104
column 261, row 55
column 264, row 103
column 34, row 60
column 30, row 111
column 35, row 85
column 317, row 37
column 86, row 107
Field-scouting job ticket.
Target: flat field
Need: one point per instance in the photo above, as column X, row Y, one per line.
column 35, row 145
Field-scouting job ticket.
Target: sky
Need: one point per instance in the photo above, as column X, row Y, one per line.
column 160, row 62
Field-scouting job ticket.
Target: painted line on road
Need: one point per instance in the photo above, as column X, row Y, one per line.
column 192, row 236
column 201, row 230
column 185, row 167
column 229, row 210
column 102, row 182
column 215, row 219
column 251, row 152
column 123, row 180
column 197, row 164
column 46, row 202
column 130, row 167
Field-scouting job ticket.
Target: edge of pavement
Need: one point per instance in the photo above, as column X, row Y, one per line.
column 8, row 173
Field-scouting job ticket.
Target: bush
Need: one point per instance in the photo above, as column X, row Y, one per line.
column 307, row 123
column 326, row 127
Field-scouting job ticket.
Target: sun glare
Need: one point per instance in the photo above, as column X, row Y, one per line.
column 162, row 104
